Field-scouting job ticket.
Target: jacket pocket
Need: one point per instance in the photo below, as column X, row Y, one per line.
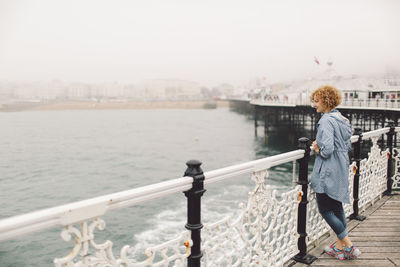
column 329, row 182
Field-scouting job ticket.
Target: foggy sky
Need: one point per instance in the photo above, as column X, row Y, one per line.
column 208, row 41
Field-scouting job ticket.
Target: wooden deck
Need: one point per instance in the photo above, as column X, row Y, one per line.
column 378, row 238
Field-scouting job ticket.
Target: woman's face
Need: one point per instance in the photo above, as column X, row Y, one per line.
column 318, row 105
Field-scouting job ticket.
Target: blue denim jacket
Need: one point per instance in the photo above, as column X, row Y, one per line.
column 331, row 168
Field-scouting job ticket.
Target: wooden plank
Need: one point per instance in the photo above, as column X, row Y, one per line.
column 375, row 239
column 370, row 255
column 377, row 244
column 363, row 233
column 391, row 217
column 382, row 221
column 380, row 249
column 388, row 213
column 354, row 263
column 372, row 217
column 365, row 228
column 378, row 224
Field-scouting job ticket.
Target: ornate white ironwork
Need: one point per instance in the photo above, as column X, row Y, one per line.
column 316, row 226
column 178, row 250
column 373, row 171
column 396, row 169
column 264, row 234
column 348, row 208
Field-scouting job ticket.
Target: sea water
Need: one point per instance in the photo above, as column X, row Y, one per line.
column 49, row 158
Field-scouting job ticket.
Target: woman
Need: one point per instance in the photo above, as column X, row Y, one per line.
column 329, row 178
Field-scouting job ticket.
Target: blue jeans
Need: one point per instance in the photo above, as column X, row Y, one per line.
column 333, row 213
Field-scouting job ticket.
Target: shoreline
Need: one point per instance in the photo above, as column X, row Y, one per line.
column 78, row 105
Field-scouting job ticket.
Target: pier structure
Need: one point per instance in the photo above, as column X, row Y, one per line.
column 366, row 114
column 274, row 228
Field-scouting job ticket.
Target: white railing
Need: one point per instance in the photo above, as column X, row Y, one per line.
column 264, row 232
column 371, row 103
column 88, row 209
column 396, row 165
column 349, row 103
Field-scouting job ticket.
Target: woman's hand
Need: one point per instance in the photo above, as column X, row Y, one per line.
column 315, row 146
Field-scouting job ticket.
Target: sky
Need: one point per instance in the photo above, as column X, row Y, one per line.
column 206, row 41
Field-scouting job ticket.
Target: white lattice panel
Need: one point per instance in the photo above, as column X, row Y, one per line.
column 348, row 208
column 373, row 172
column 264, row 234
column 87, row 252
column 316, row 226
column 396, row 169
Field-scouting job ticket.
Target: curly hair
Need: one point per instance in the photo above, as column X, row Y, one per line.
column 329, row 95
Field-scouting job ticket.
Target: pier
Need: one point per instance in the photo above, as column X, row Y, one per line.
column 367, row 114
column 273, row 228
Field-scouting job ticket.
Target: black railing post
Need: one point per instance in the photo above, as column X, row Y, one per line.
column 390, row 135
column 255, row 120
column 356, row 182
column 302, row 256
column 194, row 210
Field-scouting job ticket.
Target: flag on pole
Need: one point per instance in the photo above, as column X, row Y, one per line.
column 316, row 60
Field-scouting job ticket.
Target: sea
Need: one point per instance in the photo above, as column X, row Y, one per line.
column 49, row 158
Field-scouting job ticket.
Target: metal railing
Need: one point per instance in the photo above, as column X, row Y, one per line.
column 270, row 229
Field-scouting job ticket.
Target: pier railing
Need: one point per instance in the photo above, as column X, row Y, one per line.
column 352, row 103
column 270, row 229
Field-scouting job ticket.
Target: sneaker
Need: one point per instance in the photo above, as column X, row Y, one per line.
column 352, row 253
column 334, row 252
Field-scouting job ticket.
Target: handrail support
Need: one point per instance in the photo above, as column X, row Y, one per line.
column 356, row 182
column 194, row 210
column 302, row 256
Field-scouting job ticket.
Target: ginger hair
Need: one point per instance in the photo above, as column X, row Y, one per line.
column 329, row 95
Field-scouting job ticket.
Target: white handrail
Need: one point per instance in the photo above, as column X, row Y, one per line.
column 368, row 135
column 249, row 167
column 354, row 138
column 378, row 132
column 86, row 209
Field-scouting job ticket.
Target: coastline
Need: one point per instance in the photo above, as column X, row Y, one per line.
column 80, row 105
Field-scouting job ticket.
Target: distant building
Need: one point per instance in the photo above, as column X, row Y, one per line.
column 351, row 86
column 226, row 89
column 170, row 89
column 277, row 87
